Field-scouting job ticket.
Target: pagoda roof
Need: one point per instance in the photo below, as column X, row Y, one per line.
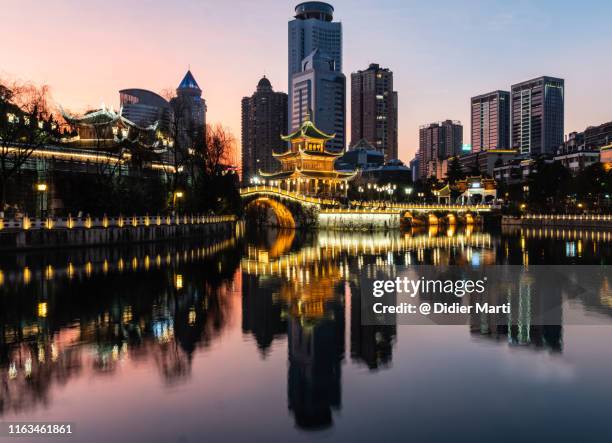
column 309, row 174
column 306, row 153
column 308, row 130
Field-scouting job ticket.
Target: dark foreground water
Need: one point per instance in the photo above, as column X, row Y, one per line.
column 259, row 339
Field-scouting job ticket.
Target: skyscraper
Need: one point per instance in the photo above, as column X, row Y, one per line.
column 313, row 28
column 490, row 121
column 374, row 109
column 264, row 119
column 189, row 110
column 537, row 115
column 438, row 142
column 318, row 94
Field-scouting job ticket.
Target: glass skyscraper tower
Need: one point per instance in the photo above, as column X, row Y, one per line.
column 314, row 33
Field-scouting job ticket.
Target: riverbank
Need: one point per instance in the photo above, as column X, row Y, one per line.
column 69, row 232
column 559, row 220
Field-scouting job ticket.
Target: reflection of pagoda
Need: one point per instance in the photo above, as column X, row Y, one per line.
column 307, row 166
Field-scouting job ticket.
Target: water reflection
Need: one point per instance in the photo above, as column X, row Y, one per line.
column 84, row 313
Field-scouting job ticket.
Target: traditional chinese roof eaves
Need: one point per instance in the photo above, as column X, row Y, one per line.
column 308, row 130
column 103, row 117
column 325, row 153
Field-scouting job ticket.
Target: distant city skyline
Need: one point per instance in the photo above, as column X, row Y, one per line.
column 441, row 54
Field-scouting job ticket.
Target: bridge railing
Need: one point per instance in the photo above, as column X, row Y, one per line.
column 378, row 205
column 289, row 194
column 27, row 223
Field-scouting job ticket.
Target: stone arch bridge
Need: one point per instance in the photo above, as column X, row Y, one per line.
column 273, row 206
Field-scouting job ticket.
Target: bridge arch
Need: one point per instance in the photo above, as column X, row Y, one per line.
column 264, row 205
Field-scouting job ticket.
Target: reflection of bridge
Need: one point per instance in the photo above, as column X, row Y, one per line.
column 292, row 209
column 321, row 258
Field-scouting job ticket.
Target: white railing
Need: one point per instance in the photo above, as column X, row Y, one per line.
column 385, row 205
column 568, row 217
column 87, row 222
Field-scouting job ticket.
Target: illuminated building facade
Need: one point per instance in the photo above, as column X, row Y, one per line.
column 537, row 115
column 374, row 109
column 490, row 121
column 438, row 142
column 313, row 28
column 264, row 119
column 318, row 93
column 307, row 166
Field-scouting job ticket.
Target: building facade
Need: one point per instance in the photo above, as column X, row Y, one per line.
column 438, row 142
column 374, row 109
column 538, row 116
column 318, row 94
column 313, row 29
column 189, row 113
column 264, row 120
column 145, row 108
column 490, row 121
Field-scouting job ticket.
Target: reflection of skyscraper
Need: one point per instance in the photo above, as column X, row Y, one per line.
column 316, row 349
column 262, row 311
column 190, row 112
column 313, row 30
column 370, row 344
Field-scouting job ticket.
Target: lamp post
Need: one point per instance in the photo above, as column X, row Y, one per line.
column 408, row 191
column 178, row 195
column 41, row 188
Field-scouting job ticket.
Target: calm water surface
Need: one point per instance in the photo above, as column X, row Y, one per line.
column 258, row 338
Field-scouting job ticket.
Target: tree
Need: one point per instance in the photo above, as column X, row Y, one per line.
column 549, row 184
column 26, row 124
column 455, row 171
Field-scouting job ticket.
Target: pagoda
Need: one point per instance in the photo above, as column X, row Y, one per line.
column 307, row 166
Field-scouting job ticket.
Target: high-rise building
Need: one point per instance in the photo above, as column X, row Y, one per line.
column 313, row 28
column 318, row 95
column 537, row 115
column 144, row 108
column 264, row 120
column 490, row 121
column 189, row 110
column 374, row 109
column 438, row 142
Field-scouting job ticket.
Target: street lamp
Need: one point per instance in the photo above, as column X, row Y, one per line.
column 41, row 188
column 177, row 196
column 408, row 191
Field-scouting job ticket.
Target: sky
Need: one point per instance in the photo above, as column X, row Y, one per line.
column 441, row 52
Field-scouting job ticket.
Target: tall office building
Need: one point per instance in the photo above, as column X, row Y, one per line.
column 491, row 121
column 537, row 115
column 144, row 108
column 374, row 109
column 438, row 142
column 313, row 29
column 189, row 110
column 264, row 119
column 318, row 94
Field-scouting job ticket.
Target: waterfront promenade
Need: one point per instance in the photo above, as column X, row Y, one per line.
column 51, row 232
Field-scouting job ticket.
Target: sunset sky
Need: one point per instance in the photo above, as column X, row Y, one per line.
column 441, row 52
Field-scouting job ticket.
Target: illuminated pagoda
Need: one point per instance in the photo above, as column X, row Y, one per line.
column 307, row 166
